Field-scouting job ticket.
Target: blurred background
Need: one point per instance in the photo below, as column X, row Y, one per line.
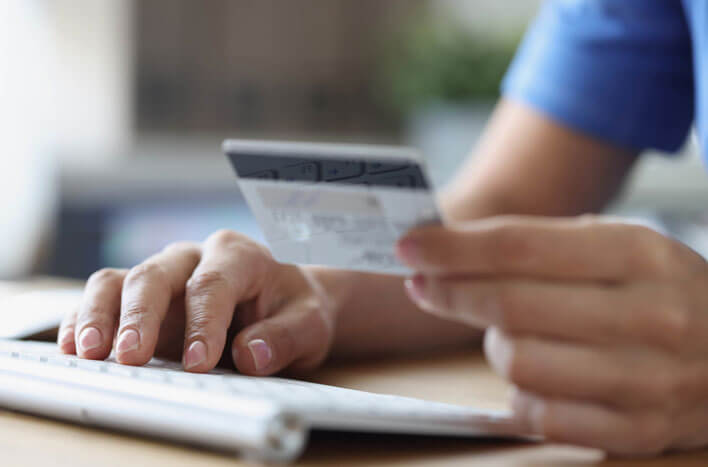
column 113, row 112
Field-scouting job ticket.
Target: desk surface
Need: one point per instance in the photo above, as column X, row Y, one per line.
column 462, row 378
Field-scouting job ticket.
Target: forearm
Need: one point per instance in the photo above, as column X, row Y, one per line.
column 374, row 317
column 527, row 164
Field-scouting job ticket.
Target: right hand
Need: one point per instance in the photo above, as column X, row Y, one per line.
column 182, row 303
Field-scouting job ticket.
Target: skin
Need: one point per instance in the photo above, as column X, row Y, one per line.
column 557, row 292
column 600, row 325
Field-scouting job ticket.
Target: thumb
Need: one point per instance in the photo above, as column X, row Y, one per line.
column 298, row 338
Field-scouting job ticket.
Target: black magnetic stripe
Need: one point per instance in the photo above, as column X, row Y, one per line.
column 388, row 173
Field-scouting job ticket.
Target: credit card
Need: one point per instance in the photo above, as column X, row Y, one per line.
column 337, row 205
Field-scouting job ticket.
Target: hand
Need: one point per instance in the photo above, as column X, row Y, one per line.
column 602, row 326
column 183, row 301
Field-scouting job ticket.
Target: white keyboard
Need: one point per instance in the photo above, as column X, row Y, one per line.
column 264, row 418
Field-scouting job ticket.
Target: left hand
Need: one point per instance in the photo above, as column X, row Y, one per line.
column 601, row 326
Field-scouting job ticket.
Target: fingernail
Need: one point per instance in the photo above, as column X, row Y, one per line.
column 67, row 337
column 66, row 342
column 407, row 251
column 90, row 338
column 261, row 353
column 129, row 340
column 196, row 354
column 415, row 286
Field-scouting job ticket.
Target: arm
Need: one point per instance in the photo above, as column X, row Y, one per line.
column 524, row 164
column 184, row 300
column 528, row 164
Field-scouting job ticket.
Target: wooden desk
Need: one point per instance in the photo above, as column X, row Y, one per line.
column 459, row 378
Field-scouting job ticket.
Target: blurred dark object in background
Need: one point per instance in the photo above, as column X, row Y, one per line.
column 266, row 67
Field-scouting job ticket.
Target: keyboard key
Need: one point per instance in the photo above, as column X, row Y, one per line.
column 91, row 365
column 121, row 370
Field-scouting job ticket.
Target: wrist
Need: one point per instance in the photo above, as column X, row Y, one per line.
column 333, row 286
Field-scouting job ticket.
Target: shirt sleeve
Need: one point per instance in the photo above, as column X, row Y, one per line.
column 618, row 70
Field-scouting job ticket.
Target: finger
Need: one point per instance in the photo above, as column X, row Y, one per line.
column 65, row 336
column 232, row 269
column 148, row 290
column 592, row 425
column 297, row 338
column 98, row 314
column 580, row 248
column 586, row 312
column 557, row 369
column 171, row 337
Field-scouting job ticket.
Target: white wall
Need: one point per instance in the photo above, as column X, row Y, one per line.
column 93, row 78
column 65, row 99
column 27, row 176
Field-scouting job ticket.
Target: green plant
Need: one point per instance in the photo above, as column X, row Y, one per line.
column 426, row 63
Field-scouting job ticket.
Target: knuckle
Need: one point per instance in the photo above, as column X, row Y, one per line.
column 254, row 253
column 239, row 244
column 226, row 238
column 653, row 252
column 146, row 272
column 178, row 247
column 94, row 314
column 105, row 276
column 135, row 314
column 203, row 325
column 188, row 249
column 675, row 325
column 198, row 327
column 204, row 283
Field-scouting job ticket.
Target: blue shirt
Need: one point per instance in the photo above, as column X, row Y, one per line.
column 630, row 72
